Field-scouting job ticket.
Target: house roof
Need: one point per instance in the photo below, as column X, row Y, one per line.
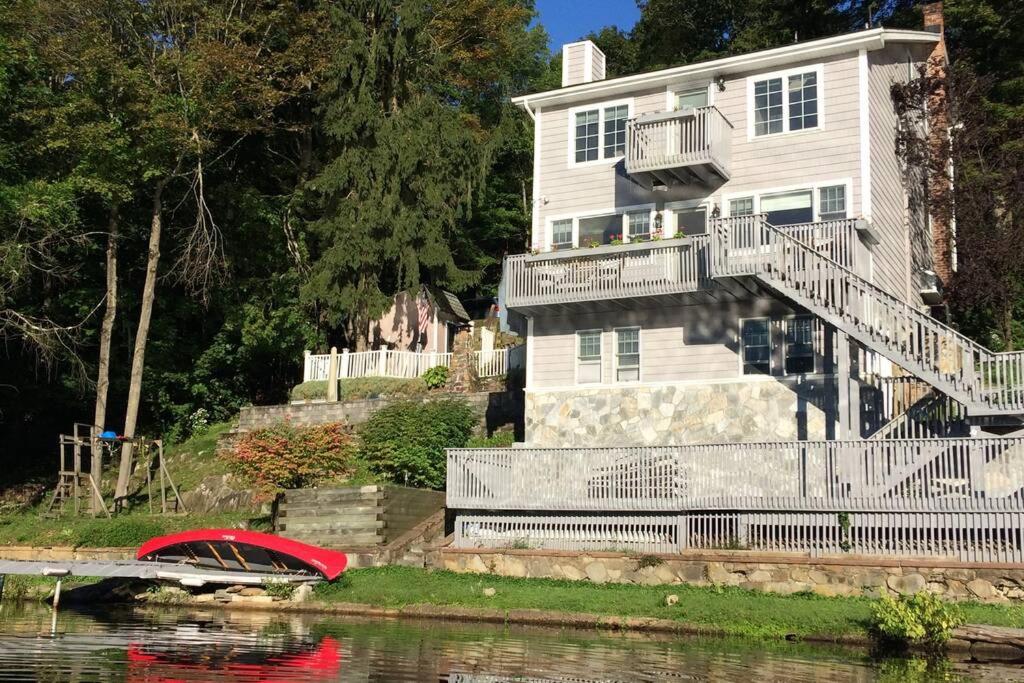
column 870, row 39
column 447, row 302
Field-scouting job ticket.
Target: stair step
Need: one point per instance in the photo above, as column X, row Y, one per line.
column 321, row 525
column 341, row 511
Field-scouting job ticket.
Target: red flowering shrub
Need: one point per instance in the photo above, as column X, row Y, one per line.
column 288, row 457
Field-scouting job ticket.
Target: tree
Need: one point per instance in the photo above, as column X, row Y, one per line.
column 412, row 109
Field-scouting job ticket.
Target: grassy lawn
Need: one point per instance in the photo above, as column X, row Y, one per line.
column 732, row 610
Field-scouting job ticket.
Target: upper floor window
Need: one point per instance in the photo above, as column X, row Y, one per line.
column 561, row 234
column 785, row 102
column 755, row 342
column 639, row 225
column 832, row 203
column 588, row 358
column 599, row 132
column 691, row 99
column 627, row 354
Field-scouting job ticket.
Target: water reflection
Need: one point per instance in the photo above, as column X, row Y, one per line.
column 216, row 645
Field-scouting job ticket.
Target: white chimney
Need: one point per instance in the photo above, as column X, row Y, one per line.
column 582, row 62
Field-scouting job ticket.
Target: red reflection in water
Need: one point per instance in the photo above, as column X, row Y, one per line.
column 321, row 663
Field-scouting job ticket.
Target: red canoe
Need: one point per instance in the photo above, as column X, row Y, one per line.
column 245, row 551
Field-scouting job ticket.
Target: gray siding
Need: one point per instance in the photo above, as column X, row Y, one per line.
column 900, row 219
column 758, row 164
column 677, row 343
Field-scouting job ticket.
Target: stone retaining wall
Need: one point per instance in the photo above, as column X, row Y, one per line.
column 496, row 409
column 670, row 415
column 776, row 573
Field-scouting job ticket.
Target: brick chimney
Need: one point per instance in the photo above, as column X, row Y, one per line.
column 582, row 62
column 940, row 186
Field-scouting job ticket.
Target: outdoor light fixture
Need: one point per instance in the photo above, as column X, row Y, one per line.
column 720, row 82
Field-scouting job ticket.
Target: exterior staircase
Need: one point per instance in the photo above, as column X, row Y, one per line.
column 985, row 382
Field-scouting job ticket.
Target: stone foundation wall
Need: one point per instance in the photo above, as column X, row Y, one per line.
column 682, row 413
column 497, row 410
column 860, row 576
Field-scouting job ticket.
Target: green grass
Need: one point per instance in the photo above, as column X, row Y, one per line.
column 192, row 461
column 732, row 611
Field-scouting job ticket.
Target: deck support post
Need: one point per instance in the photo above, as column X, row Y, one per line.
column 56, row 595
column 332, row 376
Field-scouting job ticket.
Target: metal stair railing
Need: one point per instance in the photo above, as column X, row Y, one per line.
column 986, row 381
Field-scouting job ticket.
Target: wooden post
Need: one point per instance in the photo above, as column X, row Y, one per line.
column 382, row 363
column 307, row 371
column 344, row 370
column 332, row 375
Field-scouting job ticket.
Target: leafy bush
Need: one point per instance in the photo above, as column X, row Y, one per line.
column 405, row 441
column 118, row 532
column 310, row 391
column 375, row 387
column 287, row 457
column 436, row 377
column 923, row 619
column 496, row 440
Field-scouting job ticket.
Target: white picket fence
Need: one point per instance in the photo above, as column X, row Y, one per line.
column 407, row 364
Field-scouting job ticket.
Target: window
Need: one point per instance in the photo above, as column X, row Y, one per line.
column 599, row 133
column 588, row 359
column 587, row 135
column 627, row 354
column 785, row 102
column 832, row 203
column 803, row 101
column 600, row 229
column 691, row 99
column 755, row 340
column 744, row 206
column 788, row 208
column 768, row 106
column 799, row 349
column 615, row 131
column 561, row 234
column 692, row 221
column 639, row 225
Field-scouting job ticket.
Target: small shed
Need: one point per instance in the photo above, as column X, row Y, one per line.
column 425, row 319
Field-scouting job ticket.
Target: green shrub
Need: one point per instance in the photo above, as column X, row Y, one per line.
column 923, row 619
column 310, row 391
column 405, row 441
column 375, row 387
column 119, row 532
column 436, row 377
column 287, row 457
column 495, row 440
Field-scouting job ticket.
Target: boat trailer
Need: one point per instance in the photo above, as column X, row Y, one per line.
column 200, row 557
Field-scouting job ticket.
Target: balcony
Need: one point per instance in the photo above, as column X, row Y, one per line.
column 679, row 147
column 678, row 266
column 673, row 266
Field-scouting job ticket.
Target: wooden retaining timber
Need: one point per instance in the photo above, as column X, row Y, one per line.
column 354, row 517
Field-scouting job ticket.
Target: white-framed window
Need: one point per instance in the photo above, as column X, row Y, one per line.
column 798, row 345
column 755, row 346
column 693, row 221
column 638, row 225
column 691, row 99
column 588, row 356
column 600, row 229
column 788, row 208
column 741, row 206
column 615, row 130
column 831, row 202
column 627, row 354
column 598, row 132
column 785, row 102
column 561, row 234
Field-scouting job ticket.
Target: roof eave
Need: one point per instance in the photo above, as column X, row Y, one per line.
column 872, row 39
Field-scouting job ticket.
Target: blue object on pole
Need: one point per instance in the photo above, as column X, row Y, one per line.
column 108, row 435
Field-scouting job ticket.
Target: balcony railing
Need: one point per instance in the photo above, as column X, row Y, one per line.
column 672, row 266
column 680, row 146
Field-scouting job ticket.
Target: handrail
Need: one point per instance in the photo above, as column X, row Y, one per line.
column 749, row 245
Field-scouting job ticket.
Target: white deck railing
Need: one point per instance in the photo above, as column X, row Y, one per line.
column 407, row 364
column 679, row 139
column 980, row 474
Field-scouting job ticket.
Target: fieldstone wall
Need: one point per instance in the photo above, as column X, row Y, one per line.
column 870, row 577
column 683, row 413
column 496, row 409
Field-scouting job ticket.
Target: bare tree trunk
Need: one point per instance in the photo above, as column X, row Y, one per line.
column 103, row 369
column 141, row 337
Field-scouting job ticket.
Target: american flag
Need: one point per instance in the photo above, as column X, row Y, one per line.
column 423, row 308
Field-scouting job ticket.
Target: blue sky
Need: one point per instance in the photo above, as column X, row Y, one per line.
column 568, row 20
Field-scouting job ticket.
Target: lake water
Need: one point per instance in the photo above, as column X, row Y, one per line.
column 189, row 644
